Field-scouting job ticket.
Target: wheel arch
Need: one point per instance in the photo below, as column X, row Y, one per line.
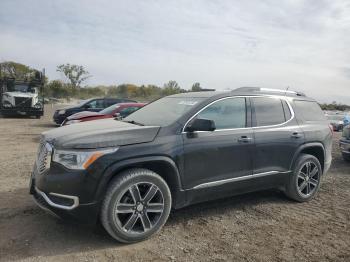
column 162, row 165
column 315, row 149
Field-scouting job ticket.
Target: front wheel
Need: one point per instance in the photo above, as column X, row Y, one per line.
column 137, row 205
column 305, row 180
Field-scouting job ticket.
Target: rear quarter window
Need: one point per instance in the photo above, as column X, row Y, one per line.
column 269, row 111
column 309, row 110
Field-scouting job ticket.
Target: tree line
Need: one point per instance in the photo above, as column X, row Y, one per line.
column 334, row 106
column 74, row 76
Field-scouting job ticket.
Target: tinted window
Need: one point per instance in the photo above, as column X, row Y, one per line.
column 98, row 103
column 309, row 110
column 110, row 102
column 268, row 111
column 227, row 113
column 109, row 110
column 127, row 111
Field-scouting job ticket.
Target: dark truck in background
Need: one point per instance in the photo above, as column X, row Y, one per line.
column 92, row 105
column 22, row 96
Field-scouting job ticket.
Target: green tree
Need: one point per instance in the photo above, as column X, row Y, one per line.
column 196, row 87
column 170, row 88
column 16, row 70
column 75, row 74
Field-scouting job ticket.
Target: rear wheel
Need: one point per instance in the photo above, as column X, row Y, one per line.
column 137, row 205
column 305, row 181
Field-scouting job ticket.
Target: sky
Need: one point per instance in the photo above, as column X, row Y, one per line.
column 223, row 44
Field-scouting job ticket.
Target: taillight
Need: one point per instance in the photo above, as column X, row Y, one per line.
column 331, row 128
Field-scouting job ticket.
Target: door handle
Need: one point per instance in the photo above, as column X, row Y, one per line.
column 296, row 135
column 244, row 139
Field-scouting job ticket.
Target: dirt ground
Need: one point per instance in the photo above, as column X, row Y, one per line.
column 263, row 226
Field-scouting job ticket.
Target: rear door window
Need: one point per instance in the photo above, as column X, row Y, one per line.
column 268, row 111
column 110, row 102
column 309, row 110
column 228, row 113
column 97, row 104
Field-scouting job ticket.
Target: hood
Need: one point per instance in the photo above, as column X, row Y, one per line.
column 99, row 134
column 83, row 114
column 20, row 94
column 68, row 107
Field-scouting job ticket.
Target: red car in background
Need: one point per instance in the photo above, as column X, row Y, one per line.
column 118, row 110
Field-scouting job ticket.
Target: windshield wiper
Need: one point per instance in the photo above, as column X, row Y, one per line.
column 133, row 122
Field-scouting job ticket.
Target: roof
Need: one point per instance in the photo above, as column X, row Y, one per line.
column 245, row 91
column 200, row 94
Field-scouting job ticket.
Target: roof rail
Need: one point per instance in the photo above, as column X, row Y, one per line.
column 260, row 89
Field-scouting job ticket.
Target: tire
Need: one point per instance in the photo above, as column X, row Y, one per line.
column 305, row 180
column 136, row 205
column 346, row 157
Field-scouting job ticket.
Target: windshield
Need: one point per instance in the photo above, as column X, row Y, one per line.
column 109, row 110
column 164, row 111
column 83, row 102
column 21, row 88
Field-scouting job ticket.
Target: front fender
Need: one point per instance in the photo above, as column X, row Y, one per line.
column 114, row 169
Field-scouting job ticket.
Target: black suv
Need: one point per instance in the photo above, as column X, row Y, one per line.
column 180, row 150
column 94, row 105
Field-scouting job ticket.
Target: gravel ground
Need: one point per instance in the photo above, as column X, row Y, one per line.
column 263, row 226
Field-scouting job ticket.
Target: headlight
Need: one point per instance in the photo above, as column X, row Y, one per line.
column 7, row 104
column 72, row 122
column 79, row 159
column 61, row 112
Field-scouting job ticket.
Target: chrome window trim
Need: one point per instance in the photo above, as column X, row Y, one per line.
column 241, row 128
column 236, row 179
column 285, row 122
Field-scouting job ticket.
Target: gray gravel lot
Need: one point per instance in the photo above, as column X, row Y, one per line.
column 263, row 226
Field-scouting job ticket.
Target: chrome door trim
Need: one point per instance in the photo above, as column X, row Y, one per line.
column 241, row 128
column 236, row 179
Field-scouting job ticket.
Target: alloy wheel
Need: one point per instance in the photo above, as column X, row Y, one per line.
column 308, row 179
column 139, row 208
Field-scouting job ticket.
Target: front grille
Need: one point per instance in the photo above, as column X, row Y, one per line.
column 43, row 157
column 23, row 101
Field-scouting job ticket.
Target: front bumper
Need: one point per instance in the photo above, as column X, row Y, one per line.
column 25, row 111
column 58, row 119
column 63, row 195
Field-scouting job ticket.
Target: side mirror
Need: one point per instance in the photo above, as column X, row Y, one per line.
column 201, row 125
column 87, row 106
